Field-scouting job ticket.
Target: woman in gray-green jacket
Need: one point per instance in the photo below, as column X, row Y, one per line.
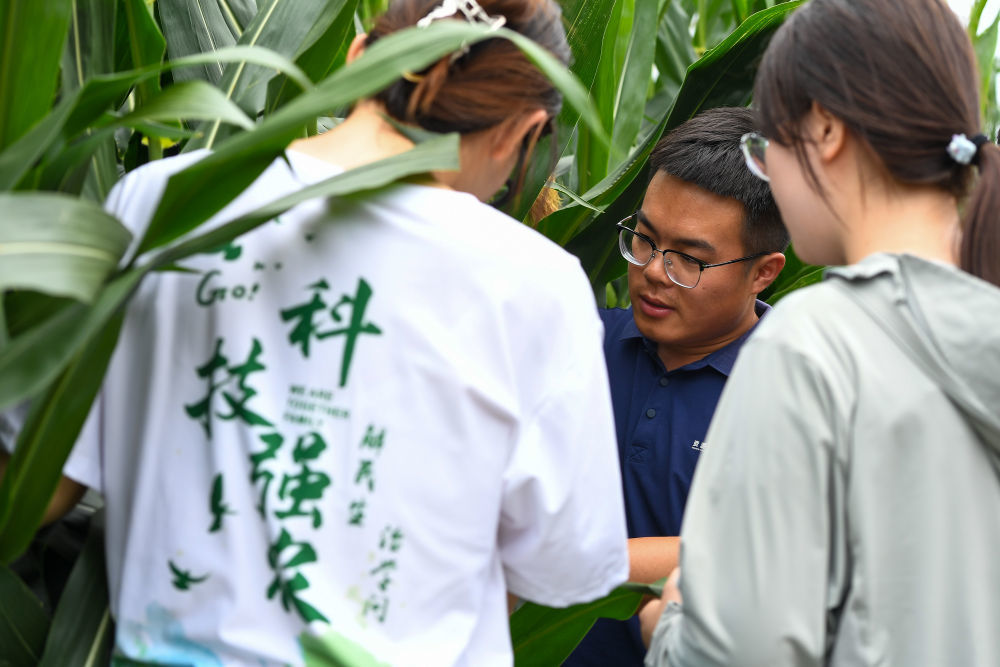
column 846, row 510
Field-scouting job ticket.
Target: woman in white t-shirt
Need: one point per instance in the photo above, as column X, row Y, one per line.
column 356, row 428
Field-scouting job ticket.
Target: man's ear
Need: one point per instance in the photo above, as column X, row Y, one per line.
column 767, row 269
column 510, row 134
column 356, row 48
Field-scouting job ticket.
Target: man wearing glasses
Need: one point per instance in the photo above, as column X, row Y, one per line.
column 706, row 241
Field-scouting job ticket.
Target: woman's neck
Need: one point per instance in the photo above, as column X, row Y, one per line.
column 363, row 137
column 919, row 220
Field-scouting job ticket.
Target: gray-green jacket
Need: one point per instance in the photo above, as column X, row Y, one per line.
column 846, row 510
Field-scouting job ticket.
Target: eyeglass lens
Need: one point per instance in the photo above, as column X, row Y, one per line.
column 754, row 149
column 680, row 269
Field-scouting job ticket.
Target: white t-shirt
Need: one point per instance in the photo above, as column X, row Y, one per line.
column 365, row 420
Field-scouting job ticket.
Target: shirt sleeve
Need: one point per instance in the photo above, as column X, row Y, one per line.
column 763, row 535
column 84, row 462
column 562, row 530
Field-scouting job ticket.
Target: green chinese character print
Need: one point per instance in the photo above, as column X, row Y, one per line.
column 183, row 579
column 229, row 251
column 304, row 330
column 383, row 569
column 353, row 326
column 238, row 403
column 217, row 506
column 273, row 443
column 357, row 513
column 201, row 411
column 365, row 474
column 311, row 451
column 291, row 587
column 373, row 440
column 392, row 539
column 308, row 485
column 376, row 606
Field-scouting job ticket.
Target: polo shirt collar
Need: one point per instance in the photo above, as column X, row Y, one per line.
column 721, row 360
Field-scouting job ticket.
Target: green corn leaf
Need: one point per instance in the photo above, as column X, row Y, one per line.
column 633, row 86
column 30, row 52
column 24, row 310
column 281, row 26
column 138, row 43
column 984, row 43
column 741, row 8
column 31, row 362
column 544, row 636
column 18, row 158
column 80, row 111
column 23, row 622
column 593, row 156
column 243, row 54
column 803, row 279
column 335, row 650
column 238, row 13
column 190, row 100
column 90, row 51
column 575, row 197
column 90, row 45
column 51, row 429
column 674, row 54
column 57, row 244
column 82, row 631
column 796, row 274
column 196, row 26
column 323, row 50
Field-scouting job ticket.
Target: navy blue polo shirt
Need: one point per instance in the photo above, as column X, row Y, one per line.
column 661, row 418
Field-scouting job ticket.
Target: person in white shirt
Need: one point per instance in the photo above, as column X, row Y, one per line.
column 363, row 424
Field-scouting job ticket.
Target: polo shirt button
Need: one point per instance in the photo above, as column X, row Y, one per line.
column 664, row 382
column 651, row 413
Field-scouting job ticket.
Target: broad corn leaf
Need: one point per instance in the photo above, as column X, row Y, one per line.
column 57, row 244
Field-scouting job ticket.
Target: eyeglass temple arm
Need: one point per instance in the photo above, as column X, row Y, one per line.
column 733, row 261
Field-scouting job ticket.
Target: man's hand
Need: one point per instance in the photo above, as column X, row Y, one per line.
column 650, row 614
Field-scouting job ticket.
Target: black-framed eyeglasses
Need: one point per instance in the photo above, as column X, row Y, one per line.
column 682, row 269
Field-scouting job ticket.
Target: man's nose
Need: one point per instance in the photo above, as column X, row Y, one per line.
column 656, row 270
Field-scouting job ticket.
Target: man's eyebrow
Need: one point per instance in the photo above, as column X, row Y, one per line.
column 681, row 243
column 642, row 218
column 694, row 243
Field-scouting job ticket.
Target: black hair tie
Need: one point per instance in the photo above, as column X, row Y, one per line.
column 979, row 140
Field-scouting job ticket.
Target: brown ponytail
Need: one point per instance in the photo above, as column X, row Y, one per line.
column 477, row 90
column 427, row 87
column 980, row 249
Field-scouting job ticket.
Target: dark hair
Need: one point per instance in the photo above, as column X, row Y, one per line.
column 485, row 86
column 705, row 151
column 902, row 77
